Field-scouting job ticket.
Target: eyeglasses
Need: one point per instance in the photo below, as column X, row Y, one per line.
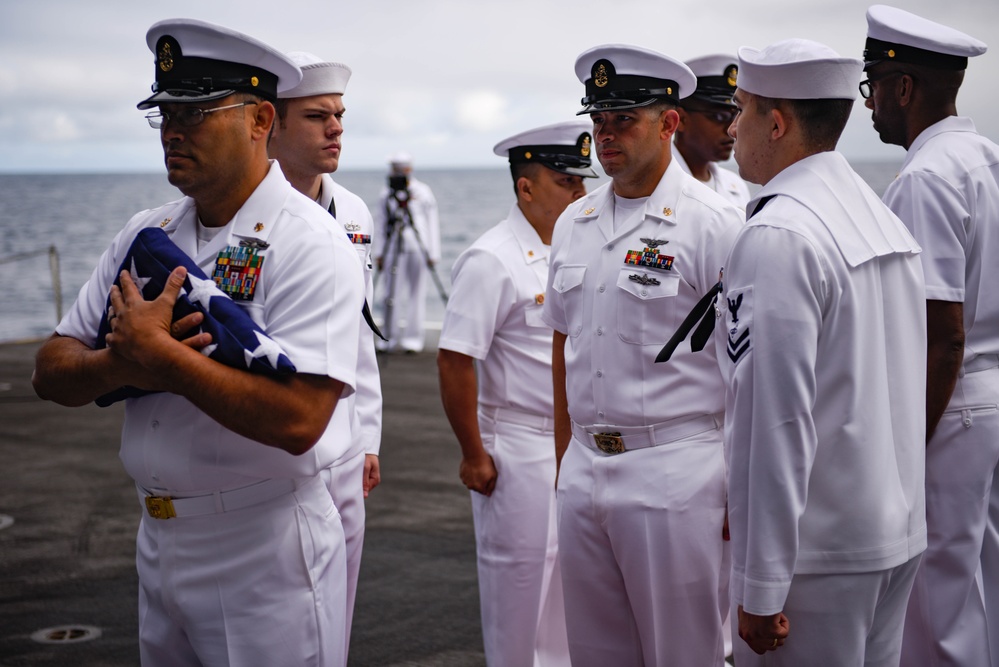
column 866, row 90
column 187, row 116
column 725, row 116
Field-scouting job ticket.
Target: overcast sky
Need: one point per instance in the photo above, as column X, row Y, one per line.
column 442, row 79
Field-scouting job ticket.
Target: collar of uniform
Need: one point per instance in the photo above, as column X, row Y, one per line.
column 257, row 216
column 326, row 191
column 948, row 124
column 591, row 205
column 531, row 247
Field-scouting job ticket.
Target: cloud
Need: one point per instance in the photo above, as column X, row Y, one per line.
column 481, row 110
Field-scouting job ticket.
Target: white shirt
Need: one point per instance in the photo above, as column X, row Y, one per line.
column 422, row 207
column 494, row 315
column 823, row 350
column 353, row 214
column 725, row 182
column 170, row 445
column 617, row 324
column 947, row 194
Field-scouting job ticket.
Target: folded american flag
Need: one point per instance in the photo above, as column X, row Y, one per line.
column 237, row 341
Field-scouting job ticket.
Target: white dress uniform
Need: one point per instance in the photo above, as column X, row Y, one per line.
column 345, row 477
column 823, row 337
column 494, row 316
column 640, row 532
column 725, row 182
column 407, row 285
column 947, row 193
column 273, row 568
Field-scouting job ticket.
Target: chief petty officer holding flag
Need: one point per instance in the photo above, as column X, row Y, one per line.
column 240, row 551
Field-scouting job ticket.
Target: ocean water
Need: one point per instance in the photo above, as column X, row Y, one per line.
column 79, row 214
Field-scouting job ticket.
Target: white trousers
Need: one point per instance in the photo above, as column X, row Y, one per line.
column 407, row 287
column 947, row 622
column 840, row 620
column 520, row 590
column 640, row 541
column 345, row 482
column 263, row 585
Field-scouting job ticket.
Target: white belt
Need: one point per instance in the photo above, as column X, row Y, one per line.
column 169, row 507
column 982, row 362
column 519, row 417
column 620, row 439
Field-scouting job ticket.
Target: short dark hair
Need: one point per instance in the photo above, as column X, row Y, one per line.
column 822, row 121
column 520, row 170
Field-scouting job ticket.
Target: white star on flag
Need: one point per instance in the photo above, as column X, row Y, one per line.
column 266, row 349
column 203, row 290
column 139, row 281
column 209, row 349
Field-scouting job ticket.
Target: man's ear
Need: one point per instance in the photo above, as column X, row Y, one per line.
column 263, row 118
column 779, row 123
column 525, row 188
column 906, row 90
column 669, row 121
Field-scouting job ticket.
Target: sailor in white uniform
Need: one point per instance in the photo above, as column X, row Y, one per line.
column 307, row 142
column 701, row 140
column 641, row 487
column 822, row 320
column 493, row 325
column 240, row 551
column 947, row 194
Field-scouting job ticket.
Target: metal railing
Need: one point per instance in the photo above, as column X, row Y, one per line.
column 53, row 254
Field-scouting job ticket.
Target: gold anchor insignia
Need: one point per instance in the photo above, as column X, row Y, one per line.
column 166, row 221
column 588, row 211
column 258, row 227
column 530, row 253
column 585, row 150
column 166, row 57
column 733, row 74
column 600, row 76
column 667, row 211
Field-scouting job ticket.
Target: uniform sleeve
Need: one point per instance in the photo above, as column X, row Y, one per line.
column 368, row 401
column 482, row 296
column 313, row 304
column 433, row 225
column 773, row 311
column 938, row 216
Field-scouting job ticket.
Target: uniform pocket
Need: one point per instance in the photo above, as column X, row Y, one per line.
column 646, row 307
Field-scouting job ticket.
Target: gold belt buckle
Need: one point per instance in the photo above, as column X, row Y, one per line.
column 160, row 508
column 609, row 443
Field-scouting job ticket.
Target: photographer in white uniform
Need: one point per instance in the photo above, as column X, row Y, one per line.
column 641, row 487
column 947, row 194
column 493, row 323
column 823, row 327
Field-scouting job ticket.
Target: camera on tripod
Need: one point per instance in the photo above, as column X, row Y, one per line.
column 399, row 185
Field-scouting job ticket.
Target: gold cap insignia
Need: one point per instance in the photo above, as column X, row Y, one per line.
column 588, row 211
column 166, row 221
column 891, row 53
column 667, row 211
column 165, row 57
column 585, row 150
column 527, row 155
column 539, row 299
column 254, row 81
column 732, row 74
column 669, row 90
column 258, row 227
column 600, row 78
